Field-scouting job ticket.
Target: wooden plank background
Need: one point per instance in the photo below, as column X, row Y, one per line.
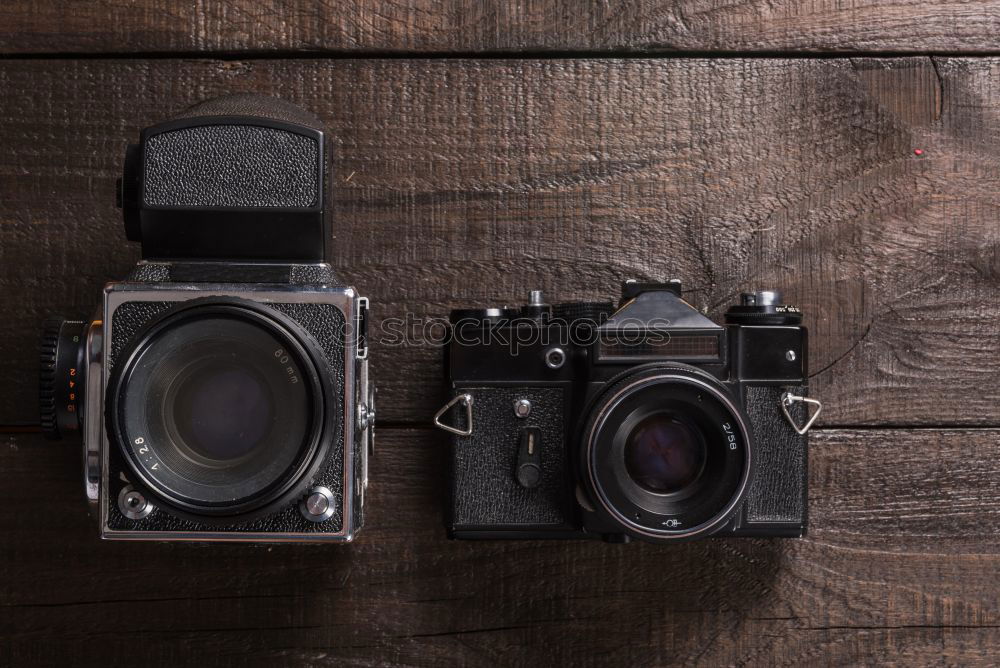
column 481, row 26
column 462, row 182
column 899, row 568
column 785, row 153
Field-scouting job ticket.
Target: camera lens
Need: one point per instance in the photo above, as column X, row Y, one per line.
column 667, row 452
column 222, row 411
column 663, row 454
column 219, row 410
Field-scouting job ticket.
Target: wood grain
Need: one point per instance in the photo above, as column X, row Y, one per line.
column 476, row 26
column 901, row 567
column 465, row 182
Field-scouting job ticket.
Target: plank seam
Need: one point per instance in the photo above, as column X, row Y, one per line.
column 496, row 55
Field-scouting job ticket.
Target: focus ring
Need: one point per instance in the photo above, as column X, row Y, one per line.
column 60, row 376
column 47, row 377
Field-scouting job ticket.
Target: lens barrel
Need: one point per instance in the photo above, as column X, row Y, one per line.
column 667, row 452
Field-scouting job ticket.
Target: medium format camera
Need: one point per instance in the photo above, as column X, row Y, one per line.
column 646, row 421
column 221, row 391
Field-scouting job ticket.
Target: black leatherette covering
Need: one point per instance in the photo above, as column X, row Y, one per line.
column 484, row 489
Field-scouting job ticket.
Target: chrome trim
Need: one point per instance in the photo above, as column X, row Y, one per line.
column 344, row 298
column 787, row 399
column 93, row 422
column 555, row 352
column 712, row 523
column 366, row 422
column 361, row 315
column 323, row 492
column 465, row 400
column 134, row 514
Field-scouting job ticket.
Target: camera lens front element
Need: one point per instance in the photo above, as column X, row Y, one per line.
column 667, row 452
column 663, row 454
column 220, row 409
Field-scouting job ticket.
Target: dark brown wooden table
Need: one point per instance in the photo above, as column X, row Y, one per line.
column 845, row 151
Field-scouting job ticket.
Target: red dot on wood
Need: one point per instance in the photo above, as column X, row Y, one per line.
column 918, row 151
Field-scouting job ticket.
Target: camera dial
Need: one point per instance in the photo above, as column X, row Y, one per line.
column 536, row 308
column 61, row 383
column 763, row 307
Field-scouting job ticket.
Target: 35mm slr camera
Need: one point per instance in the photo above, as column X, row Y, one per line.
column 646, row 421
column 221, row 391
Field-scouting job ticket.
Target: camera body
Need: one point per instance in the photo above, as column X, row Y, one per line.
column 221, row 391
column 646, row 421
